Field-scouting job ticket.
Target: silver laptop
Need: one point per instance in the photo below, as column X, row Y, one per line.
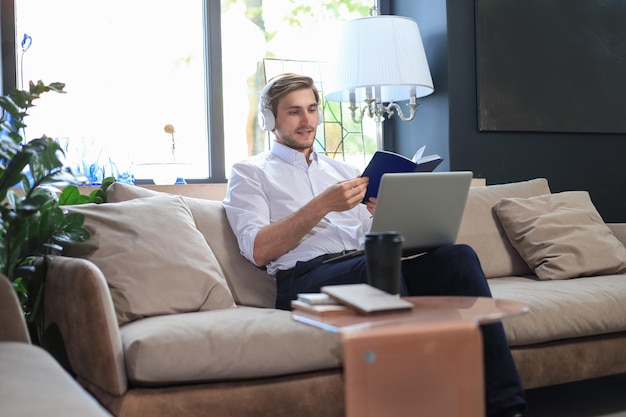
column 426, row 207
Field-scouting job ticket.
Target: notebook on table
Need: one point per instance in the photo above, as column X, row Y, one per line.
column 426, row 207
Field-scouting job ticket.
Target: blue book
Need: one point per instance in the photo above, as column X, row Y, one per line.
column 384, row 162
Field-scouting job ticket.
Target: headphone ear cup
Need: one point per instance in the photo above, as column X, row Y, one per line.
column 266, row 119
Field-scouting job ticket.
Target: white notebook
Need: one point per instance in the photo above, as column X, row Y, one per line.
column 366, row 299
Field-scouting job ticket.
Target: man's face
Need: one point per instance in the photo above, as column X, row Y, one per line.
column 296, row 120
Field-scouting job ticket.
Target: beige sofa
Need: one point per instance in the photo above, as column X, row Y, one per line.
column 159, row 314
column 576, row 326
column 33, row 383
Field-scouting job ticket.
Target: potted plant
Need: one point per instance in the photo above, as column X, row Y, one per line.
column 32, row 220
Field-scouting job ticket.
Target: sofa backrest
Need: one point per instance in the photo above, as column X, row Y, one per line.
column 252, row 286
column 481, row 228
column 249, row 285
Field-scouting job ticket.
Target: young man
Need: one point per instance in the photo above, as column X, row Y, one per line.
column 292, row 208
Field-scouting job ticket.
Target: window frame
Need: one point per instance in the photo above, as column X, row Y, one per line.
column 9, row 57
column 214, row 91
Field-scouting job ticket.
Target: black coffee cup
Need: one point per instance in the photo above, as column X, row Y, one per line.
column 383, row 254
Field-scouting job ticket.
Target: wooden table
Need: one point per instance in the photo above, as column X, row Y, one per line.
column 423, row 362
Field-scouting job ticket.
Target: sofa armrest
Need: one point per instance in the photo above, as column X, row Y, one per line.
column 79, row 324
column 12, row 323
column 33, row 384
column 619, row 230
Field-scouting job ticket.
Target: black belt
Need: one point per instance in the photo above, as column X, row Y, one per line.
column 280, row 275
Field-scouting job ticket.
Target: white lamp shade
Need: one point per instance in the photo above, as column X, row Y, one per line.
column 384, row 52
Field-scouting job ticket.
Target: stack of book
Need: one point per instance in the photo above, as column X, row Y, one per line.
column 319, row 304
column 349, row 299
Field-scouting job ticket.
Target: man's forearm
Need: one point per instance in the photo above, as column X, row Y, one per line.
column 278, row 238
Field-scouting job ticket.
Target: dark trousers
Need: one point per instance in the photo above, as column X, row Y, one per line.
column 449, row 270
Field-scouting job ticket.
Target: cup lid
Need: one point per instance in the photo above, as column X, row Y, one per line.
column 386, row 236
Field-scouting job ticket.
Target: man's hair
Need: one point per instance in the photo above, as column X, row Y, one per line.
column 285, row 84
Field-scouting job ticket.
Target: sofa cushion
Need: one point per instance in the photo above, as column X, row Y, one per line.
column 154, row 259
column 481, row 229
column 563, row 309
column 204, row 346
column 562, row 235
column 250, row 285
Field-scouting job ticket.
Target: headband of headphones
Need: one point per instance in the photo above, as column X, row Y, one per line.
column 266, row 118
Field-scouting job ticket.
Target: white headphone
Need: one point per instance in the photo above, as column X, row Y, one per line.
column 267, row 120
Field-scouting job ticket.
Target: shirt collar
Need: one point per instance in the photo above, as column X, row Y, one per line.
column 292, row 156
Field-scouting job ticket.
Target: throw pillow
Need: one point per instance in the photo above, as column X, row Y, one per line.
column 481, row 229
column 119, row 191
column 153, row 257
column 249, row 285
column 561, row 235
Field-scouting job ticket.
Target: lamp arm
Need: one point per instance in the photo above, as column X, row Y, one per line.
column 392, row 108
column 369, row 107
column 378, row 110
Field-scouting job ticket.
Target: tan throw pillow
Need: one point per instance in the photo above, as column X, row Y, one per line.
column 561, row 235
column 119, row 191
column 249, row 285
column 481, row 229
column 153, row 257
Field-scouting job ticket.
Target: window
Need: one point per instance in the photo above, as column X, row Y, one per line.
column 131, row 67
column 285, row 36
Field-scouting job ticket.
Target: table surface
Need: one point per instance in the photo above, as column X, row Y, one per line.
column 426, row 310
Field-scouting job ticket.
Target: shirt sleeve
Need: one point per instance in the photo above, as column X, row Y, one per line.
column 246, row 206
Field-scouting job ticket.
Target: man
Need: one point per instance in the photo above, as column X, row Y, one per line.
column 292, row 208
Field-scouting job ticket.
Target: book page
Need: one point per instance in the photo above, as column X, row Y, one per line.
column 419, row 154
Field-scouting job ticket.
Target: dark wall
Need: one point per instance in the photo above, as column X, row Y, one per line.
column 430, row 126
column 570, row 161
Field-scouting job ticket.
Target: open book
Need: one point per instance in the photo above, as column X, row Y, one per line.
column 384, row 162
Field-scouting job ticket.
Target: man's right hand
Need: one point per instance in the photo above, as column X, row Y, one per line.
column 344, row 195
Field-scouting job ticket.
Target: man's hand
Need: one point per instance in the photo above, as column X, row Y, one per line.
column 371, row 205
column 344, row 195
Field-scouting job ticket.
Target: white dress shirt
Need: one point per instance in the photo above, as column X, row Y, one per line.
column 271, row 186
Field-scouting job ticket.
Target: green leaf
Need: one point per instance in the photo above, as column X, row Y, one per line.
column 38, row 200
column 57, row 87
column 69, row 195
column 107, row 182
column 63, row 176
column 72, row 230
column 74, row 220
column 9, row 105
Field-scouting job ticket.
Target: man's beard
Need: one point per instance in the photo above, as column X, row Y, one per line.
column 292, row 143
